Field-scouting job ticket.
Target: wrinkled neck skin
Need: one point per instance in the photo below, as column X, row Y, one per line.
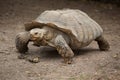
column 49, row 37
column 50, row 33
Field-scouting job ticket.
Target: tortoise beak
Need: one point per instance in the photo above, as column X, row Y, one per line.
column 33, row 38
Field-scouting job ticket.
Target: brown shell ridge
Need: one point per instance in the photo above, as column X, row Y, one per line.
column 33, row 24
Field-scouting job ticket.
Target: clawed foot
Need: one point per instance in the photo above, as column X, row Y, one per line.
column 22, row 56
column 104, row 47
column 68, row 60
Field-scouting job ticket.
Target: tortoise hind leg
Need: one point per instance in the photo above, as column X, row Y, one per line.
column 102, row 43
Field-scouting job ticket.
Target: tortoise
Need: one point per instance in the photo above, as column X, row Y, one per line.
column 64, row 30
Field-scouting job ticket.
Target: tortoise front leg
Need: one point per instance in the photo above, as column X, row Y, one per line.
column 63, row 49
column 21, row 42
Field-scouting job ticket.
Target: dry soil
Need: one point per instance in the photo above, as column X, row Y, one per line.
column 89, row 63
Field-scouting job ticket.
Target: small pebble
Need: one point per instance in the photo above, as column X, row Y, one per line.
column 34, row 60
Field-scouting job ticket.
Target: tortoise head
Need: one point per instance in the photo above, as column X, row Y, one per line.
column 37, row 34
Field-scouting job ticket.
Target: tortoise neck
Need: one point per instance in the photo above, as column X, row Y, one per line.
column 50, row 33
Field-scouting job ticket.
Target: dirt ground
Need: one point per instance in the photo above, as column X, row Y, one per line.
column 89, row 63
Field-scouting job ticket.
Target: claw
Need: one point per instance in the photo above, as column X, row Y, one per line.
column 68, row 60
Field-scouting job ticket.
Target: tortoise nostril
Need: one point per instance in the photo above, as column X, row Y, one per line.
column 36, row 33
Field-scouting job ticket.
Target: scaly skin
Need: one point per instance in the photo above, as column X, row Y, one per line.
column 102, row 43
column 22, row 40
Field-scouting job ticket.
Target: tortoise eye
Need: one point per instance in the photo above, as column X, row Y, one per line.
column 36, row 33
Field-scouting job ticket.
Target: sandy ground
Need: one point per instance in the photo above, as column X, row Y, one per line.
column 89, row 63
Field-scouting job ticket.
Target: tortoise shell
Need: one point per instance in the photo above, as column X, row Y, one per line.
column 77, row 24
